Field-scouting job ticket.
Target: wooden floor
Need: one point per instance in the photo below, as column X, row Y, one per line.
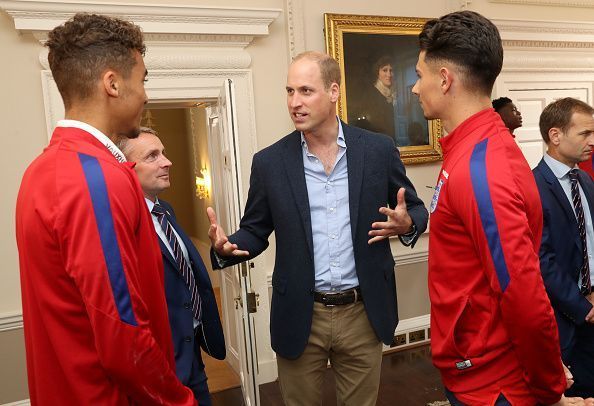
column 408, row 378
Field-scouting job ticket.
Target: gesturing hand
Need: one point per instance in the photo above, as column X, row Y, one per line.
column 218, row 238
column 568, row 377
column 398, row 222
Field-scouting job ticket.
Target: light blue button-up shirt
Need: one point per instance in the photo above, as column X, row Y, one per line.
column 334, row 258
column 561, row 172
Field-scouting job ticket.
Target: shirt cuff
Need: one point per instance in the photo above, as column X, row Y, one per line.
column 220, row 260
column 408, row 238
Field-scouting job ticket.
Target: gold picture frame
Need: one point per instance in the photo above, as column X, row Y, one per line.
column 361, row 44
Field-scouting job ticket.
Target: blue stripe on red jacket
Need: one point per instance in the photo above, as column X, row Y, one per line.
column 482, row 194
column 107, row 234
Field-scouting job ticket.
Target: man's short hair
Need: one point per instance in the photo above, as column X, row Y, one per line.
column 122, row 143
column 329, row 68
column 498, row 104
column 469, row 41
column 558, row 115
column 85, row 46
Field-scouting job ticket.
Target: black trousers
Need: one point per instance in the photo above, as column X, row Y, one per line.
column 581, row 362
column 198, row 382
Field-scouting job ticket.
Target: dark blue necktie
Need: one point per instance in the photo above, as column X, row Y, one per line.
column 183, row 267
column 585, row 284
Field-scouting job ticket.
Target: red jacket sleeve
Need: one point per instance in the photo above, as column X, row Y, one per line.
column 101, row 232
column 505, row 221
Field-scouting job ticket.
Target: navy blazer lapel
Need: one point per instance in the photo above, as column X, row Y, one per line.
column 561, row 197
column 355, row 160
column 166, row 252
column 293, row 162
column 194, row 259
column 557, row 190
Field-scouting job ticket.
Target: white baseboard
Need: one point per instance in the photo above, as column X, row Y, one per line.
column 267, row 372
column 18, row 403
column 411, row 332
column 415, row 323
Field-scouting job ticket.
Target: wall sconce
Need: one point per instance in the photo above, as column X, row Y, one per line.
column 203, row 184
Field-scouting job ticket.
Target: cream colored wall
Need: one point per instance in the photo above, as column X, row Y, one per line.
column 22, row 138
column 13, row 371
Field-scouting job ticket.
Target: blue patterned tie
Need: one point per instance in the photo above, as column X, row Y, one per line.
column 585, row 284
column 184, row 268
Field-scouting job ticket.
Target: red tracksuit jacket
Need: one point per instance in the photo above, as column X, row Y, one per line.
column 94, row 310
column 490, row 314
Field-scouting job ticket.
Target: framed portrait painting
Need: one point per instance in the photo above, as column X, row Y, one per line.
column 377, row 56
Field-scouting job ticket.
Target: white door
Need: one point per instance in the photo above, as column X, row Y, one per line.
column 531, row 102
column 238, row 299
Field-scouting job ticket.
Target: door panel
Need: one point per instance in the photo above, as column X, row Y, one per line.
column 239, row 323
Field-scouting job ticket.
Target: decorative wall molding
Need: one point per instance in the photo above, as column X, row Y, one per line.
column 42, row 16
column 161, row 58
column 547, row 44
column 532, row 32
column 549, row 62
column 295, row 27
column 211, row 37
column 11, row 321
column 412, row 257
column 562, row 3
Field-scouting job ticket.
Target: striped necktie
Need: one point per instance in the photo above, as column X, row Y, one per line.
column 183, row 267
column 584, row 281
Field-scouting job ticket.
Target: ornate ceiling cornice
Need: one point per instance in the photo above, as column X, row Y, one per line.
column 541, row 33
column 561, row 3
column 184, row 23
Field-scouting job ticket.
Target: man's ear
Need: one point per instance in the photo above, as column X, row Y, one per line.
column 334, row 92
column 111, row 83
column 555, row 136
column 446, row 77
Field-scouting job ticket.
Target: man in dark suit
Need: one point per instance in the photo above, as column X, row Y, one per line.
column 321, row 189
column 192, row 309
column 566, row 254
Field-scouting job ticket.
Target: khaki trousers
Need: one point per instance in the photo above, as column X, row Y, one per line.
column 343, row 335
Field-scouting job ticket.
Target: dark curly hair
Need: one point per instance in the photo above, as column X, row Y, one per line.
column 469, row 41
column 498, row 104
column 87, row 44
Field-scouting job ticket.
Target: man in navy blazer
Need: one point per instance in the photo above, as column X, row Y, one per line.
column 189, row 334
column 567, row 127
column 324, row 191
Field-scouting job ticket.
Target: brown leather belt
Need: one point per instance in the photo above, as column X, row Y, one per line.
column 339, row 298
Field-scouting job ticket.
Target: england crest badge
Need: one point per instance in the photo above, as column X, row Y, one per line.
column 433, row 205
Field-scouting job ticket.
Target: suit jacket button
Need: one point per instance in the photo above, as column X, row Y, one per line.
column 187, row 305
column 187, row 339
